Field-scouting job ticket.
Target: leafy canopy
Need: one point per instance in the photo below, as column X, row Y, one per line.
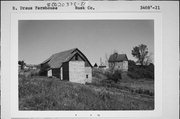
column 140, row 52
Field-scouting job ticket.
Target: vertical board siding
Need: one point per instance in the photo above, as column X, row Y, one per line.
column 80, row 58
column 77, row 71
column 88, row 71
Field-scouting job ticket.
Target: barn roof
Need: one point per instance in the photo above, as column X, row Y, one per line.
column 56, row 60
column 118, row 57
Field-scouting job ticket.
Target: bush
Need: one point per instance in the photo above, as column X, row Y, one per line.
column 43, row 69
column 98, row 73
column 43, row 72
column 113, row 75
column 29, row 73
column 137, row 72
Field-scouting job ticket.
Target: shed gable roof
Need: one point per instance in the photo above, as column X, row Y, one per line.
column 56, row 60
column 117, row 57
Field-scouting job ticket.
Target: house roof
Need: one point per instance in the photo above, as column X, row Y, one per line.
column 56, row 60
column 118, row 57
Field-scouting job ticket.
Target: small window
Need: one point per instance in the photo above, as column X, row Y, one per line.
column 87, row 76
column 76, row 57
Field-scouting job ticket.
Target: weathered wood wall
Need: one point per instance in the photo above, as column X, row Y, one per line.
column 77, row 71
column 88, row 74
column 80, row 58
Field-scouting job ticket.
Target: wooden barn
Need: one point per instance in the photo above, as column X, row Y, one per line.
column 118, row 62
column 71, row 65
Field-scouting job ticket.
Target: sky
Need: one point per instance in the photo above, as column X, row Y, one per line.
column 39, row 39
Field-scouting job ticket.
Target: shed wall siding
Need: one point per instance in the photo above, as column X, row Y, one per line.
column 88, row 74
column 80, row 58
column 77, row 71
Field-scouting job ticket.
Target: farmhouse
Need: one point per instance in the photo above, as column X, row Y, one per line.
column 118, row 62
column 71, row 65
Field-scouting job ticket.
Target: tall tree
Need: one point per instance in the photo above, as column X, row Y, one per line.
column 140, row 52
column 149, row 59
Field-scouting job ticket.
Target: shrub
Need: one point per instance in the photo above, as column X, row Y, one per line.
column 35, row 72
column 131, row 65
column 97, row 73
column 137, row 72
column 43, row 72
column 114, row 75
column 43, row 69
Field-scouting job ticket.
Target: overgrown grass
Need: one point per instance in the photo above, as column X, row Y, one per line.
column 140, row 86
column 42, row 93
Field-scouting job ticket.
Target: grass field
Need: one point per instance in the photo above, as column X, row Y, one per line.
column 42, row 93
